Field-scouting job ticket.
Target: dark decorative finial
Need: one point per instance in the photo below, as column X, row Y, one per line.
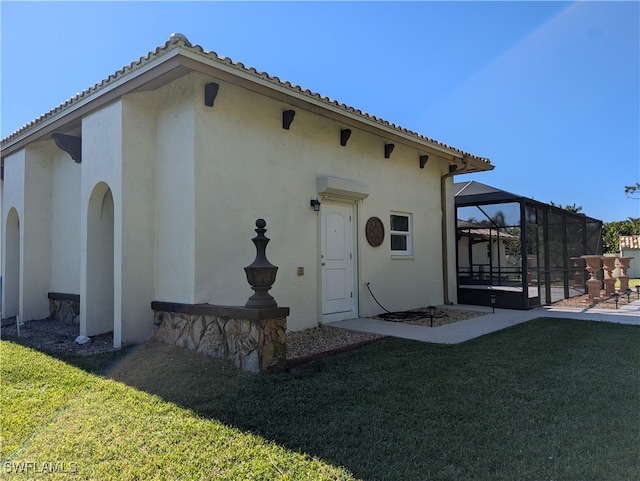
column 261, row 274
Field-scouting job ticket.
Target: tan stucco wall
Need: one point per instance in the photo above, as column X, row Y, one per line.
column 174, row 204
column 480, row 255
column 634, row 266
column 65, row 223
column 119, row 149
column 43, row 187
column 13, row 198
column 101, row 164
column 28, row 190
column 248, row 166
column 138, row 216
column 188, row 182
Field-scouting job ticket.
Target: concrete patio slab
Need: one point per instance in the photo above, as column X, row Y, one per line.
column 488, row 322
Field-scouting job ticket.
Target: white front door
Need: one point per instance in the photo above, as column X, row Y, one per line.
column 337, row 262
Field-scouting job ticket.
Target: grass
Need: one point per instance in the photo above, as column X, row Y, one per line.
column 56, row 417
column 548, row 399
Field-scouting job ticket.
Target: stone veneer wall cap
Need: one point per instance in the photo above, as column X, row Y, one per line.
column 62, row 296
column 221, row 311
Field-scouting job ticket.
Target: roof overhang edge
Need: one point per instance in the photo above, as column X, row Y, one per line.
column 182, row 60
column 134, row 80
column 313, row 103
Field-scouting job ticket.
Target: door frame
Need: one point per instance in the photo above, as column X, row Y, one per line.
column 355, row 303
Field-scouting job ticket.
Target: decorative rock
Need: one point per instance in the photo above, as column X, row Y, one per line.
column 250, row 362
column 82, row 340
column 254, row 345
column 213, row 342
column 197, row 330
column 64, row 310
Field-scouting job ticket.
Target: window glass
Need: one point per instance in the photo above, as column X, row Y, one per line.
column 491, row 215
column 400, row 223
column 398, row 242
column 531, row 214
column 401, row 242
column 594, row 237
column 471, row 214
column 502, row 214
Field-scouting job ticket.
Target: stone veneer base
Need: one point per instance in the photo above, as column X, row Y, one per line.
column 64, row 307
column 253, row 339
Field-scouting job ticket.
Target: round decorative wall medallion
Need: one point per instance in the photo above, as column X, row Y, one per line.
column 375, row 231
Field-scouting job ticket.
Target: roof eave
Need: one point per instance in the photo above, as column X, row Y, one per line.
column 161, row 70
column 329, row 109
column 180, row 60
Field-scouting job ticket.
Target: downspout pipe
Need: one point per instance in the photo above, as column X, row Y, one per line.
column 445, row 237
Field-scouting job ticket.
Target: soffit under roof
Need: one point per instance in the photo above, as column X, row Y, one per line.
column 178, row 57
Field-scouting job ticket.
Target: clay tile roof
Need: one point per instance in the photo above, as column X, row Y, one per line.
column 630, row 242
column 483, row 232
column 180, row 41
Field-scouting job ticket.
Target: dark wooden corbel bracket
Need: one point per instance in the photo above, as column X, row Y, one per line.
column 287, row 118
column 70, row 144
column 210, row 93
column 388, row 148
column 344, row 136
column 423, row 160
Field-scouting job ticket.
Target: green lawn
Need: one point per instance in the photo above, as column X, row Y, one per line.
column 548, row 399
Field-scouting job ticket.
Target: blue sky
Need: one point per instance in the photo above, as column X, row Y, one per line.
column 549, row 91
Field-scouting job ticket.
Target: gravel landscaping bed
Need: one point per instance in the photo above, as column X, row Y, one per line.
column 320, row 341
column 309, row 344
column 302, row 346
column 59, row 337
column 55, row 337
column 583, row 301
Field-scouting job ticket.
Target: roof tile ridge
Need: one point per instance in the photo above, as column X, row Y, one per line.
column 178, row 40
column 287, row 84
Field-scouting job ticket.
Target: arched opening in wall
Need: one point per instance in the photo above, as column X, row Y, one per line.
column 11, row 280
column 100, row 265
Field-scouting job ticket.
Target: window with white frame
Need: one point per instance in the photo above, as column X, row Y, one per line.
column 401, row 235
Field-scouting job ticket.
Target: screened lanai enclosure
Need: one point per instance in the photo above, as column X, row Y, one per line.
column 520, row 252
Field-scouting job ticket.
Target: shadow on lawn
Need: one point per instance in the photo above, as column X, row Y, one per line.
column 493, row 408
column 99, row 364
column 535, row 401
column 346, row 409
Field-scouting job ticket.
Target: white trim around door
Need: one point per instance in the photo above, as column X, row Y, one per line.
column 338, row 261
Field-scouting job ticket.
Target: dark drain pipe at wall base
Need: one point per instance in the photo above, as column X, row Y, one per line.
column 445, row 239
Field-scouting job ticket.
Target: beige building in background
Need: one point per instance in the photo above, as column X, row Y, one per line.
column 151, row 187
column 630, row 247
